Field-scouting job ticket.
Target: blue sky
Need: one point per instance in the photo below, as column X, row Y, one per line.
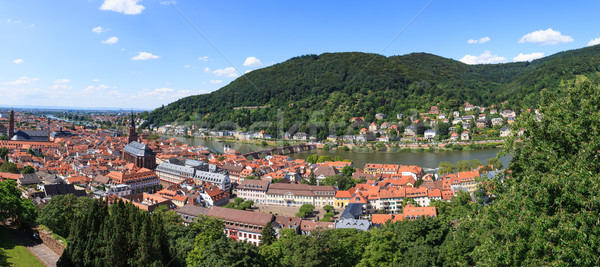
column 142, row 54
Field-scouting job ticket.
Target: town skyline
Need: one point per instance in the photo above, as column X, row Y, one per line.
column 144, row 54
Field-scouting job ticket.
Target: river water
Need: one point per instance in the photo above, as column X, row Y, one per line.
column 424, row 159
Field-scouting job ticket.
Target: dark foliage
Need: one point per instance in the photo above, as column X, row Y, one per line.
column 324, row 90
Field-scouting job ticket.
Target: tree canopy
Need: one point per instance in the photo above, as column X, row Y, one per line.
column 325, row 91
column 13, row 206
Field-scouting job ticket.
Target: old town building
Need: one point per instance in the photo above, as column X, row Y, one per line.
column 139, row 154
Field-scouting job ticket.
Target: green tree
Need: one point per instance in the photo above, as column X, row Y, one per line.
column 61, row 210
column 546, row 214
column 341, row 181
column 446, row 167
column 9, row 167
column 463, row 165
column 496, row 163
column 167, row 216
column 227, row 252
column 27, row 169
column 180, row 240
column 328, row 208
column 312, row 180
column 305, row 210
column 211, row 230
column 3, row 153
column 348, row 170
column 21, row 210
column 121, row 235
column 324, row 158
column 312, row 158
column 268, row 235
column 443, row 129
column 474, row 163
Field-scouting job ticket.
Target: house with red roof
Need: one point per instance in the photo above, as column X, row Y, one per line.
column 411, row 212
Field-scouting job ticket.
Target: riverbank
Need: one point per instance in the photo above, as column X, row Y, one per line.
column 421, row 156
column 361, row 146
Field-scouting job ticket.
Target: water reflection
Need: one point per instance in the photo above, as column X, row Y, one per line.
column 424, row 159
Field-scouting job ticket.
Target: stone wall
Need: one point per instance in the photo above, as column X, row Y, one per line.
column 52, row 243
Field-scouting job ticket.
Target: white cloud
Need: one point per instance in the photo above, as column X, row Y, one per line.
column 594, row 42
column 187, row 66
column 169, row 2
column 93, row 89
column 479, row 41
column 18, row 61
column 111, row 40
column 203, row 58
column 164, row 94
column 248, row 71
column 13, row 21
column 60, row 87
column 99, row 29
column 129, row 7
column 62, row 81
column 227, row 72
column 216, row 81
column 95, row 80
column 528, row 57
column 252, row 62
column 144, row 56
column 485, row 58
column 23, row 80
column 61, row 84
column 547, row 37
column 164, row 90
column 32, row 25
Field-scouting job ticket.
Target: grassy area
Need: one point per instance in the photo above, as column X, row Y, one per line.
column 13, row 254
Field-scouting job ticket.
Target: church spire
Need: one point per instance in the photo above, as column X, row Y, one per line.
column 132, row 134
column 11, row 125
column 132, row 121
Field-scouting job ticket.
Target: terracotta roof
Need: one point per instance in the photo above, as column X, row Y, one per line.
column 232, row 215
column 254, row 185
column 301, row 189
column 326, row 171
column 381, row 218
column 12, row 176
column 309, row 226
column 345, row 194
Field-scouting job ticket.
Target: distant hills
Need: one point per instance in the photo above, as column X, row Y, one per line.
column 334, row 87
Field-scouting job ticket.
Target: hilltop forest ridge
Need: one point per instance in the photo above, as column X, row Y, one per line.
column 334, row 87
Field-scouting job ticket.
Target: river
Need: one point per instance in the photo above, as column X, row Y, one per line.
column 424, row 159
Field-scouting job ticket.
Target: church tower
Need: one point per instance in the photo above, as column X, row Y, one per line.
column 11, row 125
column 132, row 134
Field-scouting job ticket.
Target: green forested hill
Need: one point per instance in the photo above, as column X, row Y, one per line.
column 334, row 87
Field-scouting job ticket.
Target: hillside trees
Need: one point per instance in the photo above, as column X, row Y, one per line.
column 62, row 210
column 21, row 210
column 546, row 213
column 337, row 86
column 121, row 235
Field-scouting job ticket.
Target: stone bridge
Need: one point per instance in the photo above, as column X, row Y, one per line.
column 284, row 150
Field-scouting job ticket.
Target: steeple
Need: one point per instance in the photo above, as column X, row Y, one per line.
column 132, row 134
column 11, row 125
column 132, row 122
